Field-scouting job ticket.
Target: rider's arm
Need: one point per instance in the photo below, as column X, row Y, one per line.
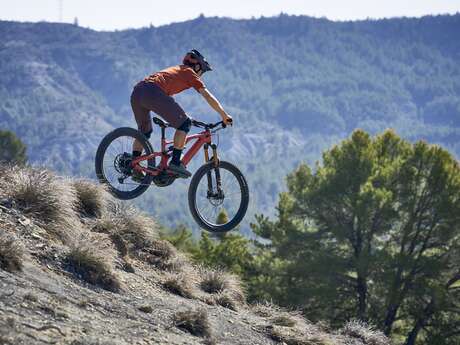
column 215, row 104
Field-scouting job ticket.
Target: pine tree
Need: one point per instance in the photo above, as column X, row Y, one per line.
column 12, row 150
column 373, row 233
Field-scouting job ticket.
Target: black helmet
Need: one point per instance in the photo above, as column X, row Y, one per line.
column 194, row 58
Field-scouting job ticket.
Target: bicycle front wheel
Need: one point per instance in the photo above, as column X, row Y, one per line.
column 218, row 197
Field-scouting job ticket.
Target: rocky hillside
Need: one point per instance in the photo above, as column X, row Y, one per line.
column 77, row 267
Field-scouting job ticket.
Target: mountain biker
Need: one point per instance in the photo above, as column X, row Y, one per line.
column 154, row 94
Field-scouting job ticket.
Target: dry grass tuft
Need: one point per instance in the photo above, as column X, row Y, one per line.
column 136, row 228
column 290, row 327
column 42, row 196
column 30, row 297
column 265, row 309
column 136, row 234
column 91, row 198
column 284, row 320
column 146, row 309
column 193, row 321
column 292, row 336
column 227, row 301
column 130, row 230
column 180, row 284
column 214, row 281
column 360, row 330
column 92, row 267
column 11, row 253
column 278, row 316
column 163, row 255
column 225, row 288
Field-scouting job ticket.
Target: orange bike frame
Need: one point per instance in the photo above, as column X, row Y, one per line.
column 201, row 138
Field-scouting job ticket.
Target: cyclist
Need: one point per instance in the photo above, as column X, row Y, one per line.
column 154, row 94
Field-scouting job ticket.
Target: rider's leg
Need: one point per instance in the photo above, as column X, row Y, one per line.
column 179, row 139
column 144, row 124
column 142, row 116
column 137, row 148
column 179, row 142
column 137, row 145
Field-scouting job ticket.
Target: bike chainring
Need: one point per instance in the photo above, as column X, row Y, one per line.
column 163, row 180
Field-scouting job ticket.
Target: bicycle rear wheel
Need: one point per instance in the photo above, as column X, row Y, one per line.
column 113, row 163
column 218, row 196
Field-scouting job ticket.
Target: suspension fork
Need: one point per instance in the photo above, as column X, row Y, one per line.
column 215, row 160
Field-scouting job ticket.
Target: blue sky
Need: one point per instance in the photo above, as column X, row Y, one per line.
column 121, row 14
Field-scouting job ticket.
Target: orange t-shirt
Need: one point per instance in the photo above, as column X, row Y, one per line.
column 175, row 79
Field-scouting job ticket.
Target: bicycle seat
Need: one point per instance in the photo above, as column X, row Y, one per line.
column 160, row 122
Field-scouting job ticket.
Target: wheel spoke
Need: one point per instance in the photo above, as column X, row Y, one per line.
column 113, row 164
column 209, row 208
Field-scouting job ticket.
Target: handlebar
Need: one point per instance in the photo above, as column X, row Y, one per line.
column 204, row 125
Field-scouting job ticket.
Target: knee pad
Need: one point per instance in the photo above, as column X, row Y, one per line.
column 185, row 127
column 148, row 134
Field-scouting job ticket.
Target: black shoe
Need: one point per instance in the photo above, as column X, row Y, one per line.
column 180, row 170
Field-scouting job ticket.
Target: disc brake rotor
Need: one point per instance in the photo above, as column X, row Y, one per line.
column 216, row 198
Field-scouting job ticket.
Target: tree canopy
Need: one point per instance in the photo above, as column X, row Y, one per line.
column 372, row 233
column 12, row 150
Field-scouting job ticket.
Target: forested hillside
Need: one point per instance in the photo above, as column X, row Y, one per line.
column 295, row 85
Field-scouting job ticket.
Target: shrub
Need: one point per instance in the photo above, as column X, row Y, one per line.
column 12, row 150
column 11, row 253
column 284, row 320
column 180, row 284
column 92, row 267
column 91, row 198
column 215, row 281
column 44, row 197
column 293, row 336
column 136, row 229
column 360, row 330
column 290, row 327
column 193, row 321
column 146, row 309
column 163, row 255
column 225, row 288
column 135, row 233
column 277, row 315
column 265, row 309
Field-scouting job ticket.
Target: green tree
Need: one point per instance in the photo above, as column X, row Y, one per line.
column 231, row 251
column 181, row 237
column 12, row 150
column 222, row 217
column 372, row 233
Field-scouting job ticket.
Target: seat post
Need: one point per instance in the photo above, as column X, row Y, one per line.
column 163, row 135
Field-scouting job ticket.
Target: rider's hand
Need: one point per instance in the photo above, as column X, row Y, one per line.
column 228, row 120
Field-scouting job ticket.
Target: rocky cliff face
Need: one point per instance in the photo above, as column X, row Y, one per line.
column 79, row 268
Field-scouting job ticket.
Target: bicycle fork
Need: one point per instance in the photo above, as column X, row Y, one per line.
column 215, row 160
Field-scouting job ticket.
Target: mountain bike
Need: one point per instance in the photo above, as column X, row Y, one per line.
column 217, row 186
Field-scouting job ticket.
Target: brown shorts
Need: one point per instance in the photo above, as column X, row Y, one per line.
column 148, row 97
